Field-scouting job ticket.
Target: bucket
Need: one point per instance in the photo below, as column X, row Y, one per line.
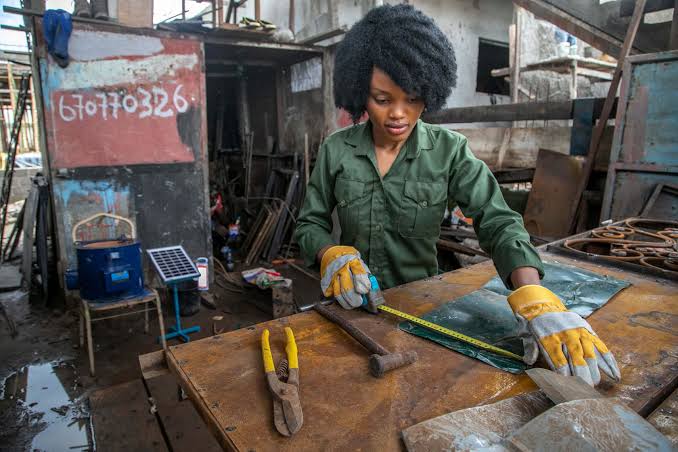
column 108, row 269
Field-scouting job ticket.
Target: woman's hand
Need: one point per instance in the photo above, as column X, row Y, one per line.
column 344, row 275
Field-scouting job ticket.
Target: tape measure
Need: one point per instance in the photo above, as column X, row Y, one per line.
column 450, row 333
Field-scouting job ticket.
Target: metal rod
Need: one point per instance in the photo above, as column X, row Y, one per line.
column 35, row 13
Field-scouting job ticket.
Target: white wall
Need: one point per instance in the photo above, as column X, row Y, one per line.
column 463, row 21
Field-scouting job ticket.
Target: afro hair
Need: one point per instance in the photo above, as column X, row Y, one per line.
column 405, row 44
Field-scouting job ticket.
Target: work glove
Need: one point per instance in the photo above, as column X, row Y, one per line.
column 566, row 340
column 344, row 276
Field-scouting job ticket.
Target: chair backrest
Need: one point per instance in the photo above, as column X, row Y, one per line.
column 103, row 226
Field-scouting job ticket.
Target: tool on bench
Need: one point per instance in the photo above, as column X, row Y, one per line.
column 287, row 414
column 381, row 360
column 374, row 302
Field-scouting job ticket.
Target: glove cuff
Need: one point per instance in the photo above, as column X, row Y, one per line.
column 531, row 301
column 334, row 252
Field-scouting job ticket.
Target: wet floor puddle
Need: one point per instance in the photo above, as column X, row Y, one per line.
column 50, row 394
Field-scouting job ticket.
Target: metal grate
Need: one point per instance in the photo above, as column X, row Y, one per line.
column 173, row 264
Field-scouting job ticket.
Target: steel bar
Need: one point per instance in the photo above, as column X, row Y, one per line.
column 511, row 112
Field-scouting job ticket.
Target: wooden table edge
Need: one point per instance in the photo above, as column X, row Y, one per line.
column 203, row 410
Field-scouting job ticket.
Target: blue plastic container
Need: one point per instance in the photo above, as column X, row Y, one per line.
column 110, row 270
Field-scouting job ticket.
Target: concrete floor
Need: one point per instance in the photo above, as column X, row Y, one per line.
column 44, row 378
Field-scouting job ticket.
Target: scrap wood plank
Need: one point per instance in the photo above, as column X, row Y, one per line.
column 547, row 213
column 183, row 426
column 224, row 374
column 30, row 214
column 665, row 418
column 560, row 388
column 122, row 419
column 476, row 427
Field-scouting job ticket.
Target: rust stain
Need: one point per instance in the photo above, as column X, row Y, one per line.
column 662, row 321
column 634, row 129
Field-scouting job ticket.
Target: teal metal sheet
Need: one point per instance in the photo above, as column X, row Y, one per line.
column 486, row 315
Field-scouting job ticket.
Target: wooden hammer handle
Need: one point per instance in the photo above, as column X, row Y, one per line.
column 370, row 344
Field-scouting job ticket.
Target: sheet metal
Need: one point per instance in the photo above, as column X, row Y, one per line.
column 645, row 139
column 486, row 315
column 126, row 134
column 547, row 213
column 123, row 100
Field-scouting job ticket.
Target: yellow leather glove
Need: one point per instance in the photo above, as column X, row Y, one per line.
column 344, row 276
column 566, row 340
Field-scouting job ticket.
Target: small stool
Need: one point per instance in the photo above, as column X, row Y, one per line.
column 87, row 308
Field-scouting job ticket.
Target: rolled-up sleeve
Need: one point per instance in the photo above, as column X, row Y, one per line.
column 500, row 230
column 314, row 224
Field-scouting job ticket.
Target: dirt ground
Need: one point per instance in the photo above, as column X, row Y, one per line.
column 44, row 377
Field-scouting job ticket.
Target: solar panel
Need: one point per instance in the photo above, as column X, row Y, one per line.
column 173, row 264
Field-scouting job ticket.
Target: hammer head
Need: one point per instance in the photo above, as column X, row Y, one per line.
column 380, row 364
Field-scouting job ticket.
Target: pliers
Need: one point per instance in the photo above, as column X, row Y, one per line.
column 284, row 385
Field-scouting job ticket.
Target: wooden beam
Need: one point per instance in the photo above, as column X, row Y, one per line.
column 226, row 62
column 323, row 36
column 572, row 25
column 13, row 28
column 220, row 13
column 606, row 113
column 37, row 13
column 449, row 245
column 508, row 112
column 626, row 6
column 34, row 119
column 12, row 86
column 673, row 37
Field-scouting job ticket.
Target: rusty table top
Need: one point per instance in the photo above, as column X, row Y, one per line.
column 346, row 408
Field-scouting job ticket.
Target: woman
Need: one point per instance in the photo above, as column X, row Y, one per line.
column 390, row 179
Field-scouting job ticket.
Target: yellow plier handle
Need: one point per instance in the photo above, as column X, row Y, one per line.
column 266, row 352
column 287, row 414
column 290, row 348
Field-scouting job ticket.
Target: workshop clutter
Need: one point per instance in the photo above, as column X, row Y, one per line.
column 264, row 278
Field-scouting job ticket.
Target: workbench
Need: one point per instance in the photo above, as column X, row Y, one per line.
column 345, row 408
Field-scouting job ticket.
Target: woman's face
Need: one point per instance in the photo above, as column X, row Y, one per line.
column 392, row 111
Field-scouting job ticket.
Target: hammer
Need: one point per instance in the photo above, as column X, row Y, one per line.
column 381, row 360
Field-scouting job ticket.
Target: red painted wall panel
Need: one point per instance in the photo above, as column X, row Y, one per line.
column 108, row 110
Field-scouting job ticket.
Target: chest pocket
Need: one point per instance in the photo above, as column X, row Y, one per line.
column 422, row 210
column 350, row 196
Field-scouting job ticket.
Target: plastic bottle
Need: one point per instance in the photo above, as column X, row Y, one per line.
column 203, row 267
